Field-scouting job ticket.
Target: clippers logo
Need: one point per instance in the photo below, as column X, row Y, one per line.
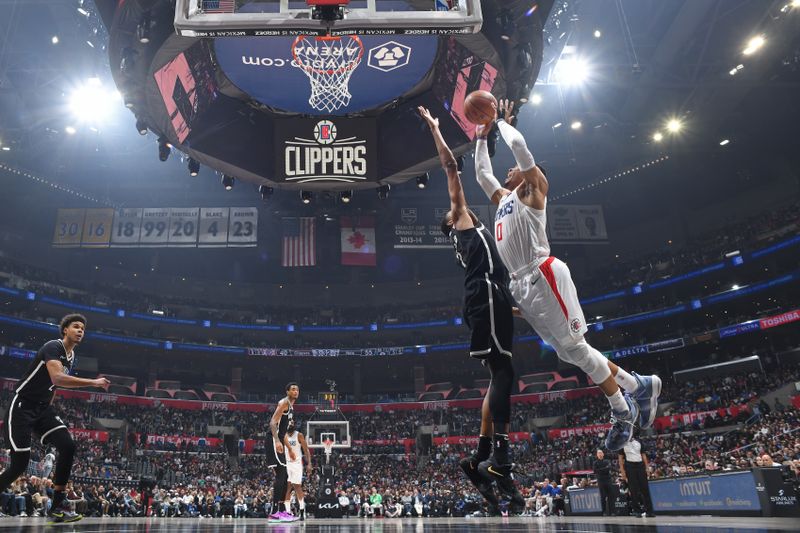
column 325, row 132
column 325, row 157
column 575, row 325
column 389, row 56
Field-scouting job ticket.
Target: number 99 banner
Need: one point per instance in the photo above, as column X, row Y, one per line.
column 157, row 227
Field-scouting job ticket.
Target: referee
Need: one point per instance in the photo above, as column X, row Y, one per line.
column 633, row 469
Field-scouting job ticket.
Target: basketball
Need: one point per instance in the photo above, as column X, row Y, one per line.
column 480, row 107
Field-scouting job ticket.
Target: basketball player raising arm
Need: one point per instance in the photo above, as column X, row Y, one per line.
column 542, row 285
column 488, row 314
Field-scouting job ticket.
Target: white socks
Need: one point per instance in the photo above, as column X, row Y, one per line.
column 626, row 381
column 618, row 403
column 302, row 503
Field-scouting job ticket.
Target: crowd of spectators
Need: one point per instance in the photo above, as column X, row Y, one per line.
column 754, row 232
column 208, row 484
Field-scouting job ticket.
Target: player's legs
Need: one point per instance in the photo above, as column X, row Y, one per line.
column 17, row 426
column 54, row 433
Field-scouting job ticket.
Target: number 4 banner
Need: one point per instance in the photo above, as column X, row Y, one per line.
column 213, row 227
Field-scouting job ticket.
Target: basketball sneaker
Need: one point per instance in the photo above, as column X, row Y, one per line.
column 502, row 475
column 288, row 517
column 646, row 396
column 63, row 514
column 484, row 485
column 622, row 426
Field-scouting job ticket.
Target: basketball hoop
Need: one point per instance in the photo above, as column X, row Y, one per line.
column 328, row 61
column 327, row 446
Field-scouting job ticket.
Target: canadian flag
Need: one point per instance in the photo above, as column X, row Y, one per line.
column 358, row 241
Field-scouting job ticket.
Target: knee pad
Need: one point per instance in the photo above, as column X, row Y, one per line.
column 588, row 359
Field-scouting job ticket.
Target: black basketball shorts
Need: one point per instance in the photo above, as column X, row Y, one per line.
column 488, row 314
column 24, row 418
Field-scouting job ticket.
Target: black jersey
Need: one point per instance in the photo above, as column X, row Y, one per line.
column 477, row 253
column 36, row 384
column 286, row 417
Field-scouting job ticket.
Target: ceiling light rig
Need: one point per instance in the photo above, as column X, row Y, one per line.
column 620, row 174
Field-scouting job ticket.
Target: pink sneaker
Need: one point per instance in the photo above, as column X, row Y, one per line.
column 288, row 517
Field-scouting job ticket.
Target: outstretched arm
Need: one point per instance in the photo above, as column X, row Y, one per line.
column 522, row 155
column 483, row 168
column 458, row 204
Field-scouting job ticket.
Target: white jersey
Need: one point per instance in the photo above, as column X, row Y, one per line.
column 520, row 233
column 294, row 444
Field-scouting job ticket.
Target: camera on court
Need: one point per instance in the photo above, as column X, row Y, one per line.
column 327, row 10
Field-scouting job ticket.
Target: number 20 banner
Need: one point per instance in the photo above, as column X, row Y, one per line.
column 157, row 227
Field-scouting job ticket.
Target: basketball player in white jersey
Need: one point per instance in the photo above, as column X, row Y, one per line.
column 543, row 287
column 295, row 443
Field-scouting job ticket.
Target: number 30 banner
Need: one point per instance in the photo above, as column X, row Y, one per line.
column 157, row 227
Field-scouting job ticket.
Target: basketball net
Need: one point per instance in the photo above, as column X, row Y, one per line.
column 328, row 62
column 327, row 446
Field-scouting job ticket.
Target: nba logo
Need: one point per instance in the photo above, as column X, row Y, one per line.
column 442, row 5
column 325, row 132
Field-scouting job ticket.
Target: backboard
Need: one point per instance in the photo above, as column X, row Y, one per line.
column 275, row 18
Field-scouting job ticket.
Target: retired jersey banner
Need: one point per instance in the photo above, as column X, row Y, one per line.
column 358, row 241
column 567, row 223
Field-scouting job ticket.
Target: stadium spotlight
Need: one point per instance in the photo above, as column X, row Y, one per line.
column 306, row 196
column 228, row 181
column 597, row 34
column 753, row 45
column 70, row 130
column 54, row 39
column 164, row 149
column 658, row 136
column 265, row 191
column 383, row 191
column 571, row 71
column 536, row 98
column 194, row 167
column 141, row 126
column 91, row 102
column 576, row 125
column 143, row 28
column 724, row 142
column 346, row 196
column 674, row 125
column 422, row 181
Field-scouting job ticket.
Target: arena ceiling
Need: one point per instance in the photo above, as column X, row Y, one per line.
column 655, row 60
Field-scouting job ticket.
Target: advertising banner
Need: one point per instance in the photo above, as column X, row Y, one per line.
column 733, row 491
column 383, row 68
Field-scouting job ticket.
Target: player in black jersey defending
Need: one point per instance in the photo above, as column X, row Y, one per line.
column 488, row 312
column 31, row 412
column 278, row 425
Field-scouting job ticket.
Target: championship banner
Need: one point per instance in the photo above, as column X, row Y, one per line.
column 319, row 151
column 358, row 241
column 576, row 223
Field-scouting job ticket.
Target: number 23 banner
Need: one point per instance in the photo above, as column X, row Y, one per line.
column 157, row 227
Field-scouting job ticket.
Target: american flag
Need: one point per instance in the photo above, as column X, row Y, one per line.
column 219, row 6
column 299, row 242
